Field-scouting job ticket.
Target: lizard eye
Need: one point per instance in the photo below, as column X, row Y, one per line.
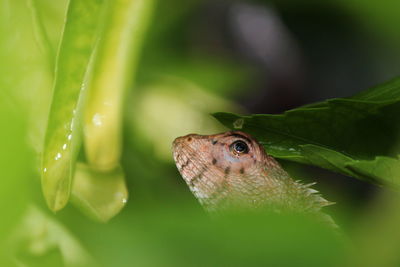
column 239, row 147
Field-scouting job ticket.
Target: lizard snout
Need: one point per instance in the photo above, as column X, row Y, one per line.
column 185, row 139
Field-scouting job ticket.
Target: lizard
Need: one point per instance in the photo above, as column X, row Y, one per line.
column 232, row 170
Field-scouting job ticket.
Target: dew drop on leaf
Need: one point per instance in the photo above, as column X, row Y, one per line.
column 238, row 124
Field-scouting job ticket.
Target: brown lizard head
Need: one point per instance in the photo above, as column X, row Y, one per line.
column 232, row 170
column 222, row 166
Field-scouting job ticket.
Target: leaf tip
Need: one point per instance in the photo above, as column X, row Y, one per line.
column 55, row 203
column 56, row 189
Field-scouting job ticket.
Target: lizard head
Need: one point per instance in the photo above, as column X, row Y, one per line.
column 232, row 170
column 210, row 164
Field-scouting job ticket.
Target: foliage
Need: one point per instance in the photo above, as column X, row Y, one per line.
column 62, row 141
column 98, row 35
column 357, row 136
column 76, row 64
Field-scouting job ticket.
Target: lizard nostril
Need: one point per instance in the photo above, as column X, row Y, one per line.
column 189, row 139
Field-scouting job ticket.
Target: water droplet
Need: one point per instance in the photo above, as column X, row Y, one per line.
column 44, row 169
column 124, row 200
column 97, row 119
column 58, row 156
column 238, row 124
column 292, row 149
column 69, row 137
column 64, row 146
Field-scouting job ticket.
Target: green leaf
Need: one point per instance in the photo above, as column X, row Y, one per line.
column 62, row 140
column 41, row 239
column 98, row 54
column 344, row 135
column 113, row 71
column 99, row 194
column 380, row 168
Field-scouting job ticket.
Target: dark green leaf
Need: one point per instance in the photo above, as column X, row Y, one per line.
column 384, row 168
column 343, row 135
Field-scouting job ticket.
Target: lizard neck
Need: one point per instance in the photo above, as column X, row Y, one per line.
column 270, row 187
column 293, row 195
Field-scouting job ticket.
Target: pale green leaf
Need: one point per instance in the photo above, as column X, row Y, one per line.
column 100, row 194
column 114, row 68
column 62, row 136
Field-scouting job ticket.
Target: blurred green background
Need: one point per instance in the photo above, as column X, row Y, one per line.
column 156, row 70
